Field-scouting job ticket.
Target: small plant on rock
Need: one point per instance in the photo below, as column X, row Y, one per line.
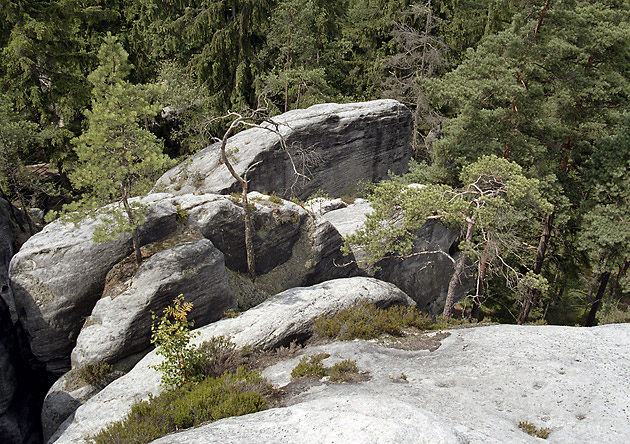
column 171, row 336
column 343, row 371
column 531, row 429
column 217, row 356
column 95, row 374
column 310, row 366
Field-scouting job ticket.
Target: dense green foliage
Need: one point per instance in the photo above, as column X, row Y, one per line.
column 544, row 84
column 232, row 394
column 367, row 321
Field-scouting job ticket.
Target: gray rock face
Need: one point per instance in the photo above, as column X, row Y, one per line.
column 292, row 247
column 475, row 389
column 425, row 274
column 277, row 321
column 59, row 274
column 348, row 418
column 63, row 398
column 334, row 145
column 120, row 324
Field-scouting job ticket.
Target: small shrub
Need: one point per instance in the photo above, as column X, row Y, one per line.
column 230, row 313
column 310, row 366
column 275, row 199
column 343, row 371
column 180, row 214
column 171, row 336
column 217, row 356
column 531, row 429
column 367, row 321
column 95, row 374
column 232, row 394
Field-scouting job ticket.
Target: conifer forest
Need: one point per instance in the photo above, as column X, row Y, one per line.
column 536, row 91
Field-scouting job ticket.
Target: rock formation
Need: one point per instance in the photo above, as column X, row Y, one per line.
column 472, row 385
column 334, row 146
column 278, row 321
column 20, row 385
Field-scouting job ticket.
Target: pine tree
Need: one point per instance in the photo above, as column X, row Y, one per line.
column 118, row 156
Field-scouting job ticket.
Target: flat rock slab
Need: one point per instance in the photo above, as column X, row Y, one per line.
column 286, row 316
column 481, row 382
column 347, row 419
column 334, row 145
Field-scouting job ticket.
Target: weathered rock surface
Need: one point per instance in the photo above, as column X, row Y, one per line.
column 59, row 274
column 475, row 388
column 348, row 418
column 292, row 247
column 334, row 145
column 279, row 320
column 322, row 205
column 120, row 323
column 62, row 399
column 425, row 274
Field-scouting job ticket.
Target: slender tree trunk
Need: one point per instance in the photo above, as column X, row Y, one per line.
column 249, row 244
column 623, row 269
column 460, row 265
column 603, row 281
column 135, row 237
column 475, row 313
column 533, row 294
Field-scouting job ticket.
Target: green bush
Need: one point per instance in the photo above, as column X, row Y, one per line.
column 95, row 374
column 232, row 394
column 171, row 336
column 343, row 371
column 310, row 366
column 531, row 429
column 367, row 321
column 217, row 356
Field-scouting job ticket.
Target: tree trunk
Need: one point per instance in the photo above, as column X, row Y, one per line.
column 457, row 274
column 603, row 281
column 135, row 237
column 475, row 313
column 249, row 244
column 533, row 294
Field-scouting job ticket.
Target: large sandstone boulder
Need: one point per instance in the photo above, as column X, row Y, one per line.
column 425, row 274
column 120, row 323
column 281, row 319
column 59, row 274
column 348, row 418
column 334, row 145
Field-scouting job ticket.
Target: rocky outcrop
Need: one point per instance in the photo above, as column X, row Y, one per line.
column 425, row 274
column 120, row 323
column 333, row 145
column 59, row 274
column 475, row 387
column 281, row 319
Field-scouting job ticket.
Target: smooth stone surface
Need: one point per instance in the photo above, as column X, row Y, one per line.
column 333, row 145
column 475, row 388
column 58, row 276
